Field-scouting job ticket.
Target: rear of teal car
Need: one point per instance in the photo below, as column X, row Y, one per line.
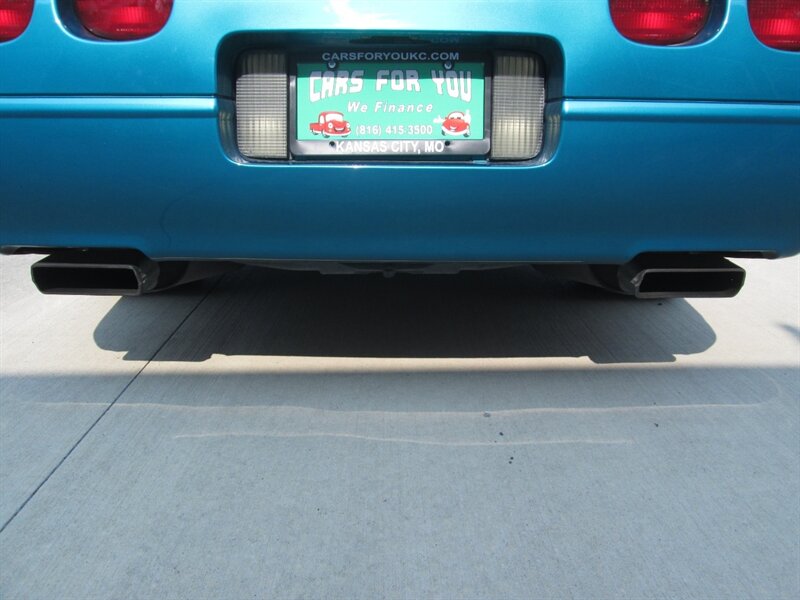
column 632, row 144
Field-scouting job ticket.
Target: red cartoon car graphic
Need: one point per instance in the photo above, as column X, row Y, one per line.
column 456, row 123
column 330, row 123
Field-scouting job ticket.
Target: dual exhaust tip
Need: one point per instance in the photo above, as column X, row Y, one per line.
column 131, row 273
column 117, row 273
column 680, row 276
column 104, row 273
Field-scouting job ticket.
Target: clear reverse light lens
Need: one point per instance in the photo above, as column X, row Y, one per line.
column 261, row 107
column 518, row 93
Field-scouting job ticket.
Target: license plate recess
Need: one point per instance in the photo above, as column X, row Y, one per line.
column 390, row 104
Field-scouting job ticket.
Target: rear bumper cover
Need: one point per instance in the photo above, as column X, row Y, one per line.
column 624, row 177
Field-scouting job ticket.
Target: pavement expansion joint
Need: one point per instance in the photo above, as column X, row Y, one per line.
column 111, row 404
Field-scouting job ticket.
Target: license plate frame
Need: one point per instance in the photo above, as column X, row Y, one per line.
column 444, row 148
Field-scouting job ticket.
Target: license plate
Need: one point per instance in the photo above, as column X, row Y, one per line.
column 390, row 108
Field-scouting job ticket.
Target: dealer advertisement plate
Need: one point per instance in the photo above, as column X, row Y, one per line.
column 390, row 104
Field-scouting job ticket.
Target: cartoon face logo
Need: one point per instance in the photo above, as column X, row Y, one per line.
column 456, row 124
column 330, row 123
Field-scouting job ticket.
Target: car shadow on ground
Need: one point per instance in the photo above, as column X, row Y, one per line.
column 483, row 314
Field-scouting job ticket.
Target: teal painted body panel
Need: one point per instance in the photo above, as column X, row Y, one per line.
column 693, row 148
column 600, row 63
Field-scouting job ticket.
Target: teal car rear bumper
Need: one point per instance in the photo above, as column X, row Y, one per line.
column 647, row 149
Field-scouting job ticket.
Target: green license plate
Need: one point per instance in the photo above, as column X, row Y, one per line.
column 390, row 108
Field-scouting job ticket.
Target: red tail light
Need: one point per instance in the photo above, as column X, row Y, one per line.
column 776, row 22
column 14, row 18
column 660, row 22
column 123, row 19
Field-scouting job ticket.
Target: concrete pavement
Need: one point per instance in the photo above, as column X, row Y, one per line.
column 492, row 435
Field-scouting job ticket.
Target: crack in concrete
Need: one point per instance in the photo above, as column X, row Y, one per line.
column 111, row 404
